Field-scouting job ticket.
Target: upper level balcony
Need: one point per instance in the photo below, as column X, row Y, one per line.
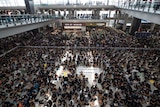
column 152, row 6
column 14, row 24
column 18, row 20
column 140, row 5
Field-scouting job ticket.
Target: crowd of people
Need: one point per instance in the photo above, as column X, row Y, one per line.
column 94, row 38
column 30, row 79
column 130, row 77
column 102, row 37
column 22, row 39
column 97, row 38
column 11, row 42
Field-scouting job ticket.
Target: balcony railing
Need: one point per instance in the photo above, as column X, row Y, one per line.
column 146, row 6
column 15, row 20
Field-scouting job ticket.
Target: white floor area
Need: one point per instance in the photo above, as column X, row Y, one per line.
column 89, row 72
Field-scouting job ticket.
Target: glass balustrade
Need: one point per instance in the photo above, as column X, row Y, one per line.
column 146, row 6
column 141, row 5
column 15, row 20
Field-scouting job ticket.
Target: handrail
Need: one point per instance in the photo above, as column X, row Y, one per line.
column 1, row 55
column 146, row 6
column 14, row 19
column 90, row 47
column 6, row 20
column 78, row 47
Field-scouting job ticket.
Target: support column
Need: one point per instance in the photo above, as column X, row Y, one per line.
column 96, row 14
column 53, row 13
column 152, row 26
column 107, row 2
column 65, row 13
column 29, row 6
column 134, row 25
column 59, row 13
column 35, row 31
column 50, row 11
column 71, row 14
column 118, row 17
column 92, row 17
column 75, row 12
column 125, row 22
column 115, row 20
column 109, row 15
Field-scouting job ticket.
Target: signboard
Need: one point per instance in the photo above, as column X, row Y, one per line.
column 84, row 24
column 73, row 24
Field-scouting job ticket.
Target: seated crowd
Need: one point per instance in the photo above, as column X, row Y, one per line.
column 103, row 37
column 130, row 77
column 22, row 39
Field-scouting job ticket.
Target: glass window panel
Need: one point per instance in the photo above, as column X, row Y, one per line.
column 60, row 2
column 11, row 3
column 1, row 3
column 113, row 13
column 44, row 1
column 36, row 2
column 4, row 2
column 20, row 3
column 51, row 2
column 84, row 2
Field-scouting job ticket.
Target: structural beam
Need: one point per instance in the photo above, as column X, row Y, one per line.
column 9, row 31
column 151, row 17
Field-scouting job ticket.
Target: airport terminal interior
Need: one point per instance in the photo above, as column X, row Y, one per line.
column 79, row 53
